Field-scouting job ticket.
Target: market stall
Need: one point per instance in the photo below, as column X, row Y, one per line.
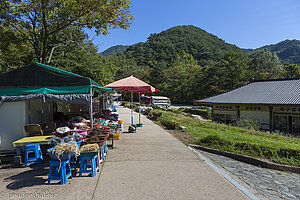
column 27, row 95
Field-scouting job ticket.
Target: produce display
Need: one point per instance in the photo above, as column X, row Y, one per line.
column 89, row 148
column 64, row 151
column 67, row 141
column 62, row 130
column 68, row 137
column 99, row 131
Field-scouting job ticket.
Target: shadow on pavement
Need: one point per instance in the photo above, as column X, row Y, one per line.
column 28, row 178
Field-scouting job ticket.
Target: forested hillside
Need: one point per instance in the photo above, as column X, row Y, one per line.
column 192, row 40
column 187, row 63
column 288, row 51
column 115, row 50
column 184, row 63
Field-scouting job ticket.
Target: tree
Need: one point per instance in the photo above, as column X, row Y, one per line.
column 234, row 70
column 14, row 52
column 82, row 57
column 43, row 23
column 178, row 80
column 265, row 64
column 221, row 76
column 291, row 71
column 127, row 67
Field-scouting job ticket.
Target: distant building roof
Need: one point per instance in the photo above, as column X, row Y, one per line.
column 272, row 92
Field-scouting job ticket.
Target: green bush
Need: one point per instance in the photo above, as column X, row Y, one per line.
column 249, row 124
column 165, row 118
column 169, row 123
column 155, row 114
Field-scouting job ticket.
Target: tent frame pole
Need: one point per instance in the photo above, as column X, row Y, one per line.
column 91, row 107
column 140, row 109
column 131, row 108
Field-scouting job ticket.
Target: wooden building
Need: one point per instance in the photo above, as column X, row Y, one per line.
column 274, row 103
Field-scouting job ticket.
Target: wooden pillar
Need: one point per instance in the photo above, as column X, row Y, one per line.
column 212, row 113
column 270, row 119
column 238, row 112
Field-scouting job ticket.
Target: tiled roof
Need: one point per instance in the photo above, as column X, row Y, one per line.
column 274, row 91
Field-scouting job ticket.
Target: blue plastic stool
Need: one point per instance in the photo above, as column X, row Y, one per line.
column 33, row 154
column 73, row 159
column 59, row 170
column 73, row 162
column 105, row 148
column 93, row 165
column 103, row 151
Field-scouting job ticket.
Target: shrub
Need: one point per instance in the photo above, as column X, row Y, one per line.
column 155, row 114
column 169, row 123
column 248, row 123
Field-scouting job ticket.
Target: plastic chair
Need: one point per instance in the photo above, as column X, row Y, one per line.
column 33, row 154
column 33, row 129
column 59, row 170
column 93, row 165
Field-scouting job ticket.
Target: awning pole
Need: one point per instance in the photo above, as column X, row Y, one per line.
column 140, row 108
column 131, row 108
column 91, row 107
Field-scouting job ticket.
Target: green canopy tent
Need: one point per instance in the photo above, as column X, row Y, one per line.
column 42, row 81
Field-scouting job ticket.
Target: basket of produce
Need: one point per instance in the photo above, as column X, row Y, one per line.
column 82, row 132
column 64, row 151
column 100, row 137
column 89, row 150
column 62, row 132
column 95, row 140
column 99, row 131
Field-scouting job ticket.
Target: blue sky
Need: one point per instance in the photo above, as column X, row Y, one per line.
column 245, row 23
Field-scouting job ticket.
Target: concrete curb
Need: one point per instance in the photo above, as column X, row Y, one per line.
column 249, row 160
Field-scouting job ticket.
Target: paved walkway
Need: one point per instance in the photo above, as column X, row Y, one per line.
column 152, row 164
column 266, row 183
column 149, row 164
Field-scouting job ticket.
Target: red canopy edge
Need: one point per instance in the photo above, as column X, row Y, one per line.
column 131, row 84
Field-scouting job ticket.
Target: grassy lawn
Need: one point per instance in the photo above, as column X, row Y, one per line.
column 274, row 147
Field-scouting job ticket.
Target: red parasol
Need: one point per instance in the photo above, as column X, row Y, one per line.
column 132, row 84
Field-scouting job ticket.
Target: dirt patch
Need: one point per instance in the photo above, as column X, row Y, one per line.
column 184, row 137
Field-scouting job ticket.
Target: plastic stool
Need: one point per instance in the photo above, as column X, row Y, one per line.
column 103, row 150
column 73, row 159
column 93, row 165
column 33, row 154
column 59, row 170
column 73, row 162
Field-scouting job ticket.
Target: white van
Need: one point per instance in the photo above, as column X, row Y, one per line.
column 163, row 102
